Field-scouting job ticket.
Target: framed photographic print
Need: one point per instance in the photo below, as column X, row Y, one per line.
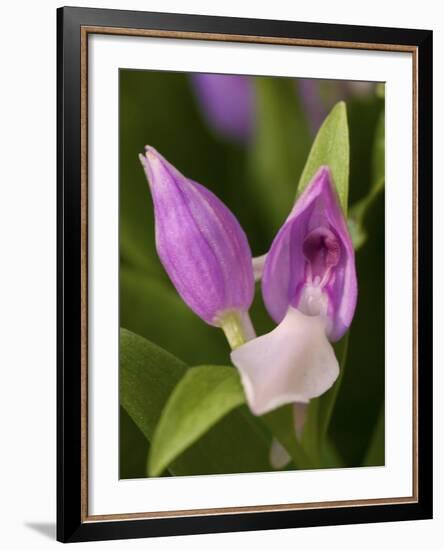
column 245, row 268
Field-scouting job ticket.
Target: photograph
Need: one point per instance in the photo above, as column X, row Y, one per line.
column 251, row 273
column 244, row 266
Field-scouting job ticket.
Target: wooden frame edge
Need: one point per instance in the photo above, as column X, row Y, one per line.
column 219, row 37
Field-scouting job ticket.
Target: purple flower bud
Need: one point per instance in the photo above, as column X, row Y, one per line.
column 200, row 243
column 311, row 263
column 227, row 102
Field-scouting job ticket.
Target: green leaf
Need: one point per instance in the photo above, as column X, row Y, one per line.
column 133, row 448
column 148, row 375
column 331, row 147
column 280, row 147
column 320, row 410
column 378, row 156
column 203, row 396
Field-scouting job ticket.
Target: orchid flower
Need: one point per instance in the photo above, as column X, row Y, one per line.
column 309, row 287
column 202, row 248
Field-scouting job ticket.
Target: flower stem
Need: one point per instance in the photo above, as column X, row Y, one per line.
column 237, row 327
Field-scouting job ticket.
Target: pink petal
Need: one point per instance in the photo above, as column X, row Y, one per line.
column 284, row 275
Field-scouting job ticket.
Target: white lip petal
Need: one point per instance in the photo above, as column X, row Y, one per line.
column 295, row 362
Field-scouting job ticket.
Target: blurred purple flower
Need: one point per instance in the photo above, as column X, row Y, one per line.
column 309, row 287
column 200, row 243
column 227, row 102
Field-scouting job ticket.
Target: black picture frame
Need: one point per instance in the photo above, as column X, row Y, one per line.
column 71, row 523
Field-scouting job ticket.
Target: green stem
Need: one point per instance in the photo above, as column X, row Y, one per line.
column 237, row 327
